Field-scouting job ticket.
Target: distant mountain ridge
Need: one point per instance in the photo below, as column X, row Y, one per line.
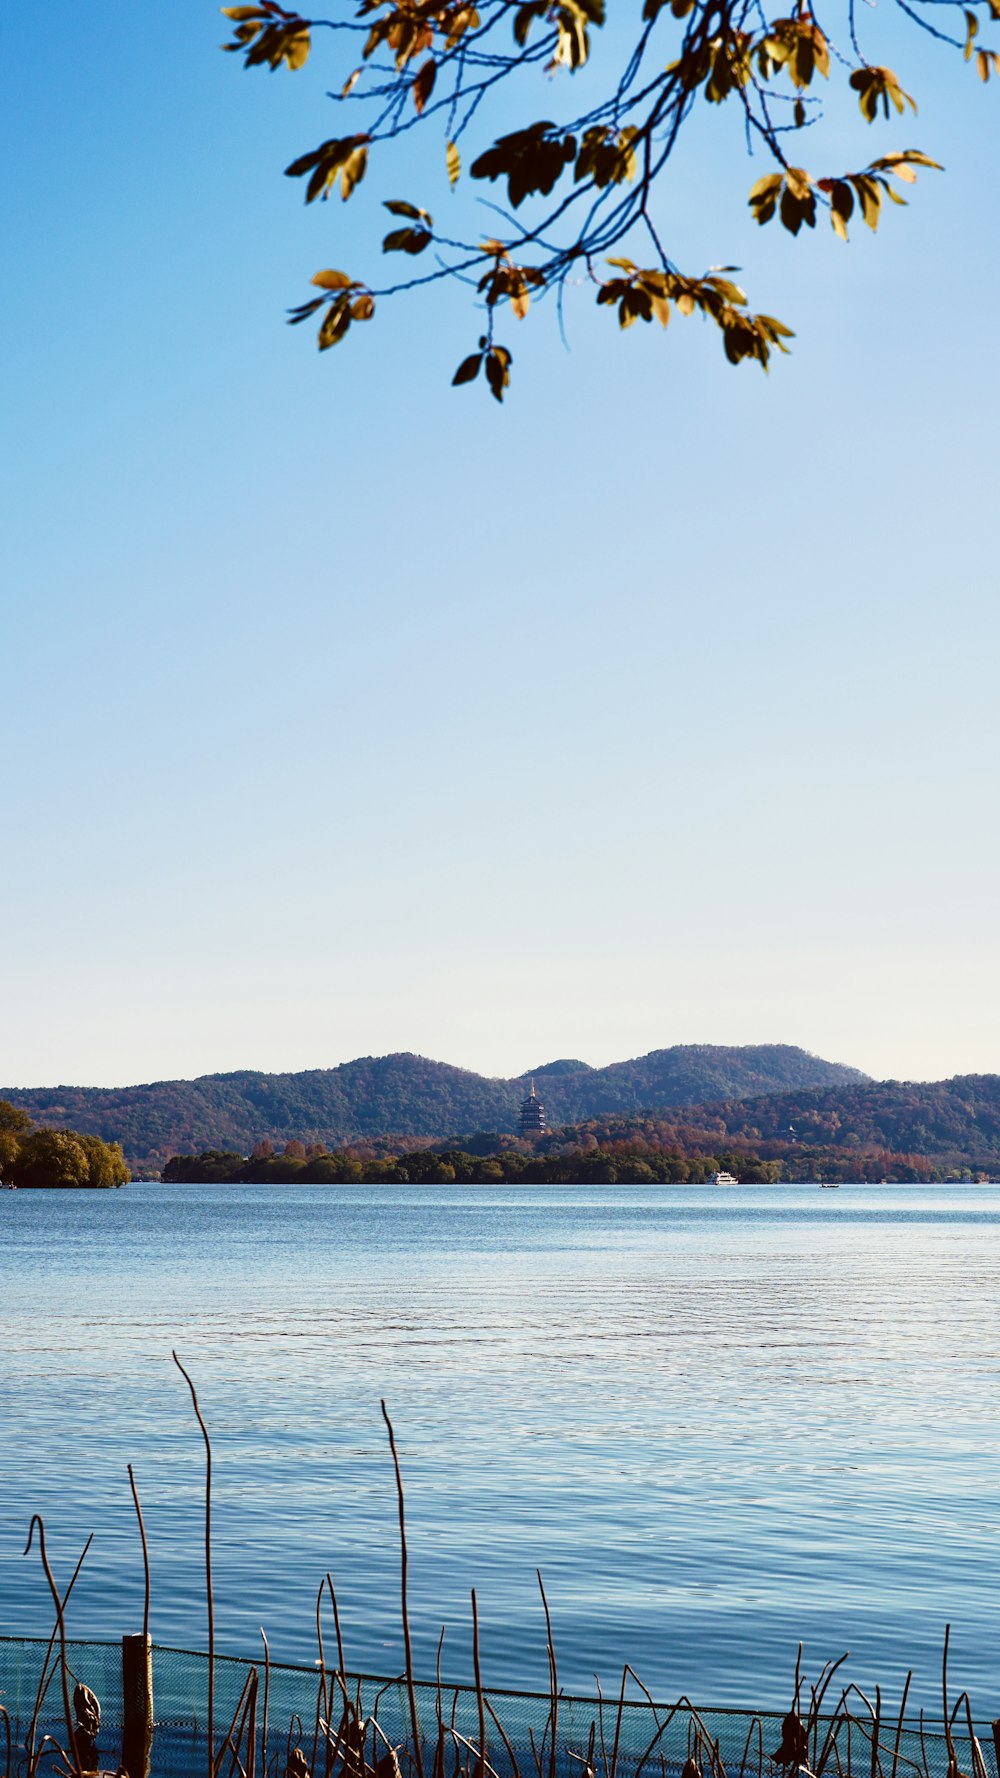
column 941, row 1127
column 409, row 1095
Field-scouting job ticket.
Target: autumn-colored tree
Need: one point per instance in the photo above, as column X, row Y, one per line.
column 105, row 1161
column 64, row 1158
column 582, row 199
column 52, row 1157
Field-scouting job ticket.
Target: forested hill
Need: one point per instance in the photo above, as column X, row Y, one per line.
column 951, row 1125
column 407, row 1095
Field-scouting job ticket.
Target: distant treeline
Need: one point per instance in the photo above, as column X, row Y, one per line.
column 617, row 1163
column 55, row 1157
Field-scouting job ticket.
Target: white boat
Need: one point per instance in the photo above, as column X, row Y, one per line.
column 723, row 1179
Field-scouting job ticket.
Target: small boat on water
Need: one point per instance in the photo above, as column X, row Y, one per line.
column 723, row 1179
column 829, row 1185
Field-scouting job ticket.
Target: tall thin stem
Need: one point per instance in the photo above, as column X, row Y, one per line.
column 416, row 1754
column 145, row 1557
column 208, row 1565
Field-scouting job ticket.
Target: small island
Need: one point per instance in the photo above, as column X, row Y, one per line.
column 55, row 1158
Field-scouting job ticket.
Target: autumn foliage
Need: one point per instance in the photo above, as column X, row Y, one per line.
column 581, row 197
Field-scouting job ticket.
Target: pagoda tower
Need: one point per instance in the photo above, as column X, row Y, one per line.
column 532, row 1114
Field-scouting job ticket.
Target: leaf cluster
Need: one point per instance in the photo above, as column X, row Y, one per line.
column 646, row 294
column 346, row 301
column 580, row 192
column 266, row 33
column 792, row 195
column 343, row 157
column 497, row 362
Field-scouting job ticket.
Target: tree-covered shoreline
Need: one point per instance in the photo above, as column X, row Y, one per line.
column 55, row 1160
column 624, row 1163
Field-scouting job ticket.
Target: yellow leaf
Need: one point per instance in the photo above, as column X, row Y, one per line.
column 770, row 182
column 333, row 281
column 296, row 50
column 839, row 225
column 350, row 83
column 454, row 163
column 353, row 171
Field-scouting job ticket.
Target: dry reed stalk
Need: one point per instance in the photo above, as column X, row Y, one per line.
column 251, row 1727
column 758, row 1725
column 322, row 1707
column 437, row 1770
column 463, row 1741
column 899, row 1724
column 876, row 1766
column 267, row 1694
column 661, row 1729
column 978, row 1762
column 73, row 1754
column 600, row 1721
column 43, row 1683
column 553, row 1677
column 830, row 1744
column 923, row 1748
column 618, row 1723
column 145, row 1555
column 511, row 1755
column 210, row 1597
column 481, row 1768
column 349, row 1712
column 292, row 1736
column 952, row 1761
column 454, row 1732
column 7, row 1735
column 336, row 1624
column 415, row 1752
column 237, row 1728
column 340, row 1677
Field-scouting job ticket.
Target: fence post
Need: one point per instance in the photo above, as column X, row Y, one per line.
column 137, row 1705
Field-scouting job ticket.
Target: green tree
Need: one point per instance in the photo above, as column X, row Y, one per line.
column 105, row 1161
column 13, row 1121
column 52, row 1158
column 14, row 1125
column 583, row 197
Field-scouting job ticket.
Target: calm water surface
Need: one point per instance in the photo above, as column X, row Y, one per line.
column 717, row 1421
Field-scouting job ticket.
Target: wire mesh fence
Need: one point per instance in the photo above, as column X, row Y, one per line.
column 361, row 1726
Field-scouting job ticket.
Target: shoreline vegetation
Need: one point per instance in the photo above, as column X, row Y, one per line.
column 408, row 1727
column 625, row 1163
column 50, row 1159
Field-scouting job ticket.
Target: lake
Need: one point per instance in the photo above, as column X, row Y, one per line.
column 718, row 1421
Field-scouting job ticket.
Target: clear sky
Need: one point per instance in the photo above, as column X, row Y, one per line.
column 345, row 713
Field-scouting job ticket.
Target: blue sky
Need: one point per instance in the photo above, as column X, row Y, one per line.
column 345, row 713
